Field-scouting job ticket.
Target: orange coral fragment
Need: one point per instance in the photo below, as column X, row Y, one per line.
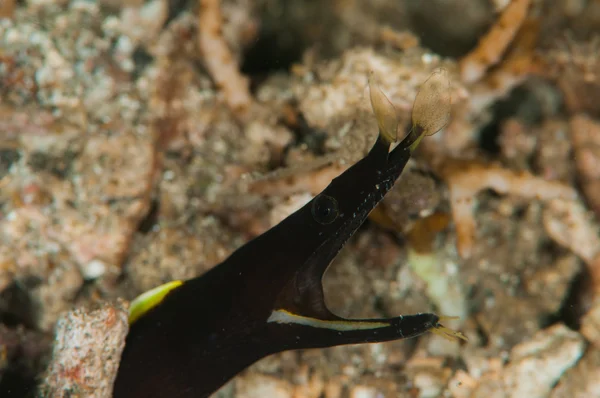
column 517, row 64
column 7, row 8
column 491, row 47
column 218, row 58
column 467, row 178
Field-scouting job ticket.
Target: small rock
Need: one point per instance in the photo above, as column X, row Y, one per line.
column 87, row 349
column 582, row 380
column 536, row 365
column 94, row 269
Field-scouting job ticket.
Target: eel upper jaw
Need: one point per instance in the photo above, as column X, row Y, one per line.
column 303, row 294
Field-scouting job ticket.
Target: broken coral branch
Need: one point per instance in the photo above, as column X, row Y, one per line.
column 86, row 353
column 512, row 71
column 218, row 58
column 466, row 179
column 499, row 82
column 491, row 47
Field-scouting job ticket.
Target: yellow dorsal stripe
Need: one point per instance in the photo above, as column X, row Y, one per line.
column 150, row 299
column 283, row 316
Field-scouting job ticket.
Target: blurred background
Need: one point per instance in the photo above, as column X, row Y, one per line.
column 144, row 141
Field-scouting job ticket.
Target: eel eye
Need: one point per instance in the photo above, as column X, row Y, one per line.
column 325, row 209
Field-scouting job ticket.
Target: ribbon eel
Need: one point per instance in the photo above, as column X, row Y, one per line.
column 188, row 338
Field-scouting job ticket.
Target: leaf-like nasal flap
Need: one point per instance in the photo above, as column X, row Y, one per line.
column 385, row 113
column 431, row 111
column 432, row 107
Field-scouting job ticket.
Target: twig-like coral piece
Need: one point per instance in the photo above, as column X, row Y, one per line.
column 491, row 47
column 516, row 65
column 218, row 58
column 513, row 69
column 467, row 178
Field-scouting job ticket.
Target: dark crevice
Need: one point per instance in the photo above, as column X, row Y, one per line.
column 141, row 59
column 551, row 249
column 576, row 303
column 59, row 166
column 9, row 319
column 87, row 290
column 151, row 218
column 176, row 7
column 304, row 135
column 379, row 306
column 271, row 52
column 17, row 382
column 483, row 336
column 16, row 306
column 521, row 104
column 429, row 22
column 8, row 156
column 488, row 138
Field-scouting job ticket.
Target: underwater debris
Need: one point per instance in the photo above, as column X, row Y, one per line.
column 515, row 66
column 582, row 380
column 421, row 236
column 492, row 46
column 7, row 8
column 86, row 352
column 219, row 60
column 532, row 368
column 497, row 83
column 466, row 178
